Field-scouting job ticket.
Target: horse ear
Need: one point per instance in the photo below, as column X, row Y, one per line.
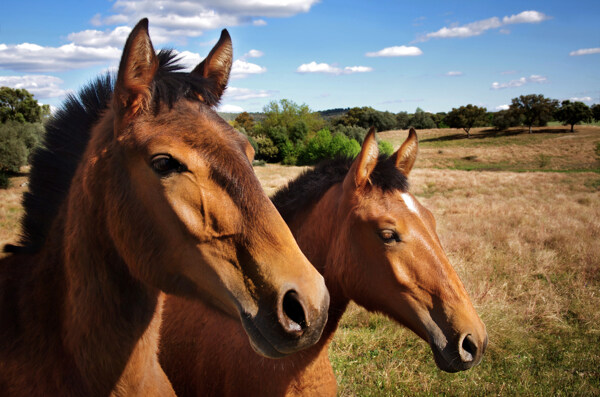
column 364, row 164
column 217, row 65
column 407, row 154
column 136, row 71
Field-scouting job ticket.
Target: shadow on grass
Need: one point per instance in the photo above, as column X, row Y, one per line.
column 492, row 133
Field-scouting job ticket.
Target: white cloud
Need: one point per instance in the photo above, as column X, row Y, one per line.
column 41, row 86
column 585, row 51
column 242, row 94
column 325, row 68
column 526, row 17
column 581, row 99
column 241, row 69
column 253, row 54
column 396, row 51
column 28, row 57
column 502, row 107
column 176, row 19
column 97, row 38
column 454, row 73
column 227, row 108
column 519, row 82
column 479, row 27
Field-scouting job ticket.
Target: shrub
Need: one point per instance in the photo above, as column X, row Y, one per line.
column 325, row 146
column 266, row 149
column 385, row 148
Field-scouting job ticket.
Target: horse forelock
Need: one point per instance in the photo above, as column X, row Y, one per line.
column 304, row 191
column 68, row 133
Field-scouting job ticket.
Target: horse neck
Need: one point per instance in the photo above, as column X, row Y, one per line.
column 316, row 231
column 106, row 311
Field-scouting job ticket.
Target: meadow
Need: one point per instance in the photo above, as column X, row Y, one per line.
column 519, row 217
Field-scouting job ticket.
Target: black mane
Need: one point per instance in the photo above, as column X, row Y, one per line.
column 67, row 134
column 312, row 184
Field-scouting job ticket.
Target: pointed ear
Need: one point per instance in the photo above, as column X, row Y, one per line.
column 136, row 72
column 217, row 65
column 407, row 154
column 364, row 164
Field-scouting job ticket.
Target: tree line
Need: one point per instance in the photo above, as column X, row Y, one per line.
column 292, row 134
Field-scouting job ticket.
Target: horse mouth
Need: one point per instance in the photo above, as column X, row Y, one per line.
column 259, row 343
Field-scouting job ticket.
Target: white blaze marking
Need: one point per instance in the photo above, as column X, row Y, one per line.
column 410, row 203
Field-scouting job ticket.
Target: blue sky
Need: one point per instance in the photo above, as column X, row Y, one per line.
column 391, row 55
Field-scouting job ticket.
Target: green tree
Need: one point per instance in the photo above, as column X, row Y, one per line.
column 571, row 113
column 596, row 111
column 286, row 113
column 504, row 119
column 467, row 117
column 19, row 105
column 402, row 120
column 534, row 109
column 421, row 120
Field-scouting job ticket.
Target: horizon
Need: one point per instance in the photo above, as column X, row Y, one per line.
column 325, row 54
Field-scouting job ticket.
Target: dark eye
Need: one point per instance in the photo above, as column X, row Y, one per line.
column 389, row 236
column 164, row 164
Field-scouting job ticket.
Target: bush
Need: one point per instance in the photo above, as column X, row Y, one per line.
column 266, row 149
column 385, row 148
column 325, row 146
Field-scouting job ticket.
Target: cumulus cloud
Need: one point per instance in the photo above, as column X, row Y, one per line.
column 97, row 38
column 33, row 58
column 479, row 27
column 325, row 68
column 242, row 94
column 581, row 99
column 41, row 86
column 585, row 51
column 454, row 73
column 175, row 19
column 253, row 54
column 396, row 51
column 519, row 82
column 502, row 107
column 228, row 108
column 239, row 68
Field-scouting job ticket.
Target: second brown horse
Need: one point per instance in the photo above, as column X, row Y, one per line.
column 375, row 244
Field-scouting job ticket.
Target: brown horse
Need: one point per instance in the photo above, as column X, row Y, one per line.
column 375, row 244
column 143, row 189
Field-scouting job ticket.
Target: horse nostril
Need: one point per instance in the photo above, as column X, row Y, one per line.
column 468, row 349
column 292, row 316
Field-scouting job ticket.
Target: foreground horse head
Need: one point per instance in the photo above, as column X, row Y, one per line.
column 394, row 262
column 173, row 186
column 205, row 227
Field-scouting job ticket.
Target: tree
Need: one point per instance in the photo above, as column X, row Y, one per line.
column 421, row 120
column 467, row 117
column 19, row 105
column 244, row 120
column 504, row 119
column 573, row 113
column 534, row 109
column 596, row 111
column 402, row 120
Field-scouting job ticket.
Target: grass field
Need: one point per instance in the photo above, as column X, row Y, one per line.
column 519, row 216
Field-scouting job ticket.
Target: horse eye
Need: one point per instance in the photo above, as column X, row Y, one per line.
column 389, row 236
column 164, row 164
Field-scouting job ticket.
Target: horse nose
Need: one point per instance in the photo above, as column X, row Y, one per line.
column 469, row 350
column 291, row 314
